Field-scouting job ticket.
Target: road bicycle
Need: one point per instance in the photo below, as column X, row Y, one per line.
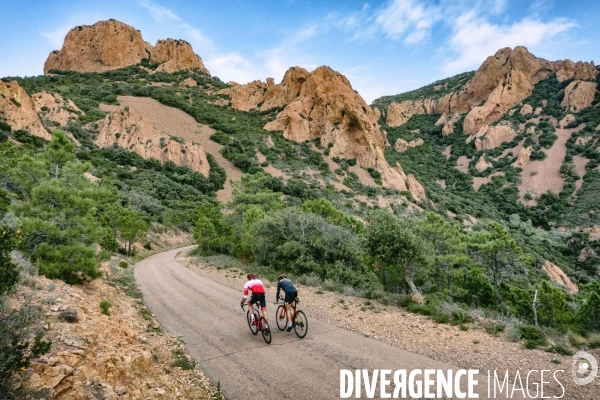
column 260, row 325
column 299, row 321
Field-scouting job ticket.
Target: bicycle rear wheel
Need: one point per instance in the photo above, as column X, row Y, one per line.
column 300, row 324
column 253, row 328
column 281, row 318
column 266, row 332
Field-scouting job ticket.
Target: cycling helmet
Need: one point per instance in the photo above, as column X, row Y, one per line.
column 282, row 276
column 250, row 276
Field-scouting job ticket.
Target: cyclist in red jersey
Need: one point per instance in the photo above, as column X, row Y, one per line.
column 258, row 295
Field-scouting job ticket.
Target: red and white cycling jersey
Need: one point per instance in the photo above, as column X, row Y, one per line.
column 253, row 285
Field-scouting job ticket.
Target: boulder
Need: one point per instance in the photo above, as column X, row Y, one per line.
column 246, row 97
column 489, row 137
column 189, row 82
column 18, row 110
column 482, row 164
column 126, row 129
column 523, row 158
column 579, row 95
column 563, row 123
column 526, row 110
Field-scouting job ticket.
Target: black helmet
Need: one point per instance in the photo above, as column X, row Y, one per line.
column 250, row 276
column 282, row 276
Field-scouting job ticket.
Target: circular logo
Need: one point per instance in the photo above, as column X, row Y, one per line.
column 584, row 368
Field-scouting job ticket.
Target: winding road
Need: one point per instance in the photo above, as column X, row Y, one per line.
column 208, row 317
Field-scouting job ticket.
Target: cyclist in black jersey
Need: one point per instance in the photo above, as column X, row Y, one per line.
column 290, row 295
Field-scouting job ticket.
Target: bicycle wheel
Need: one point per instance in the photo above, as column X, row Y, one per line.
column 253, row 328
column 281, row 318
column 300, row 324
column 266, row 332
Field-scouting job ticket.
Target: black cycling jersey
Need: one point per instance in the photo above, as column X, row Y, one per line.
column 286, row 285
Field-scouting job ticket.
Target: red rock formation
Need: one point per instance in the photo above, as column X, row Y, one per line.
column 176, row 55
column 126, row 129
column 111, row 44
column 54, row 107
column 18, row 110
column 579, row 95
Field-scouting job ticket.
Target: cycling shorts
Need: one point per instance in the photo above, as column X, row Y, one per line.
column 290, row 296
column 258, row 297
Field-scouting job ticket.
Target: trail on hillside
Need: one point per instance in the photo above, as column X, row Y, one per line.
column 175, row 122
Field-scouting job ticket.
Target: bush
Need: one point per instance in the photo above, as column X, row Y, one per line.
column 123, row 264
column 559, row 349
column 533, row 336
column 577, row 340
column 69, row 315
column 20, row 341
column 494, row 328
column 105, row 306
column 594, row 341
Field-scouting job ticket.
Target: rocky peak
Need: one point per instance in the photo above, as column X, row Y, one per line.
column 176, row 55
column 111, row 44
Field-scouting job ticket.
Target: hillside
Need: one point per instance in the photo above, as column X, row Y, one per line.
column 465, row 197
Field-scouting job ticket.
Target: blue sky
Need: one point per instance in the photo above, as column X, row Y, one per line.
column 383, row 47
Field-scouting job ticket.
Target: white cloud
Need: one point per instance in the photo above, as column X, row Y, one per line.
column 57, row 36
column 409, row 19
column 474, row 38
column 158, row 12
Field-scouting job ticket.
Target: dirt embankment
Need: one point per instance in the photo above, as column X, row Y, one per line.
column 125, row 355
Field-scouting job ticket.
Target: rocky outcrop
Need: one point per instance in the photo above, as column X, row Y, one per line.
column 448, row 122
column 55, row 108
column 579, row 95
column 567, row 69
column 246, row 97
column 189, row 82
column 18, row 110
column 563, row 123
column 506, row 95
column 176, row 55
column 402, row 145
column 266, row 96
column 125, row 129
column 482, row 164
column 489, row 137
column 111, row 44
column 399, row 113
column 328, row 108
column 526, row 110
column 523, row 158
column 557, row 275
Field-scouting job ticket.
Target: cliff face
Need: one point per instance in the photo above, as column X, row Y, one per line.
column 502, row 82
column 18, row 110
column 128, row 130
column 111, row 44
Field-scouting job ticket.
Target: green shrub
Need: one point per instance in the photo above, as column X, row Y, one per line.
column 69, row 315
column 594, row 340
column 123, row 264
column 494, row 328
column 559, row 349
column 532, row 335
column 577, row 340
column 182, row 361
column 105, row 306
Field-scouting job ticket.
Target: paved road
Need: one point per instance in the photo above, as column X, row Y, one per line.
column 208, row 316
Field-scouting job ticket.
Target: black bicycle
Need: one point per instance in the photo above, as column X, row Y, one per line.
column 299, row 321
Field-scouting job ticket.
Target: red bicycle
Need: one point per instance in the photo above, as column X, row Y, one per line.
column 260, row 323
column 299, row 321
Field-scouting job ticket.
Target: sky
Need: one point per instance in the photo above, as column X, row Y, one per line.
column 384, row 47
